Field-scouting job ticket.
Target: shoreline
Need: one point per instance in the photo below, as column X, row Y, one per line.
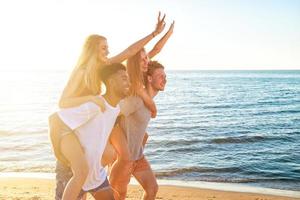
column 222, row 187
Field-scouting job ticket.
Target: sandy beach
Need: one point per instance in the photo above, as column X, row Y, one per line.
column 39, row 188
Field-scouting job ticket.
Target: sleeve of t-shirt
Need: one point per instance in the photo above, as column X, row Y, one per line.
column 130, row 105
column 77, row 116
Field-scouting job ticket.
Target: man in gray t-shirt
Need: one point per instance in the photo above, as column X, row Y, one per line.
column 133, row 122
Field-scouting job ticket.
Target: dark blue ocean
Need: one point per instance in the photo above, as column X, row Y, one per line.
column 217, row 126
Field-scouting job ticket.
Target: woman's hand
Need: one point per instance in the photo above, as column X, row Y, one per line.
column 170, row 31
column 100, row 102
column 160, row 25
column 161, row 43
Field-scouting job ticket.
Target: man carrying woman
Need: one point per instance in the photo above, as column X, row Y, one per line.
column 84, row 86
column 92, row 128
column 133, row 123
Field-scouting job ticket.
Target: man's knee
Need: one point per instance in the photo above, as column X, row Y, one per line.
column 151, row 190
column 121, row 195
column 119, row 191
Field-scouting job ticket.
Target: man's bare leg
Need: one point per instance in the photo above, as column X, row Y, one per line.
column 105, row 194
column 148, row 181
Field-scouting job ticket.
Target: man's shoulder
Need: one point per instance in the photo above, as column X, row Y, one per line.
column 130, row 104
column 131, row 100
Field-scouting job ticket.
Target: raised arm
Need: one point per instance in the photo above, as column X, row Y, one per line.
column 148, row 101
column 161, row 43
column 67, row 98
column 135, row 47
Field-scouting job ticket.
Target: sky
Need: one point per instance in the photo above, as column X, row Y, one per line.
column 208, row 35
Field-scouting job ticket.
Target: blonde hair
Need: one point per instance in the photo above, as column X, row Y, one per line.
column 90, row 62
column 136, row 76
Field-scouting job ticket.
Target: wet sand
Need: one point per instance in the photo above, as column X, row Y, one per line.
column 39, row 188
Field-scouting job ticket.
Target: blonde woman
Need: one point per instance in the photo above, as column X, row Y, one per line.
column 133, row 123
column 84, row 85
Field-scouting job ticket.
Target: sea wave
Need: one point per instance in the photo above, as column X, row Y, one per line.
column 280, row 112
column 241, row 139
column 180, row 171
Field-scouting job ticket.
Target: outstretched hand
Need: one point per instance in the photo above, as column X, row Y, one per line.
column 171, row 27
column 160, row 24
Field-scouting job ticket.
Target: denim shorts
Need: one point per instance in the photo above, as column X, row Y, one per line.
column 64, row 174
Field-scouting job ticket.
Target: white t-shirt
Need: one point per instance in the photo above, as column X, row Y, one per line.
column 93, row 127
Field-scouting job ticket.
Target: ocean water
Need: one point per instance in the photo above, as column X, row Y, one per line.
column 217, row 126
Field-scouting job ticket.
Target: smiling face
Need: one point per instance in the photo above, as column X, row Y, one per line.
column 158, row 79
column 121, row 84
column 103, row 50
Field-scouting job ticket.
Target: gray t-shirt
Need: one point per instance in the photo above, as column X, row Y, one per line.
column 134, row 122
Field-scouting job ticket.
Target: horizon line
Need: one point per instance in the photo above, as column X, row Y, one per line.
column 166, row 68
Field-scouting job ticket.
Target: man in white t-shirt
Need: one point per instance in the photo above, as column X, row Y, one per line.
column 93, row 127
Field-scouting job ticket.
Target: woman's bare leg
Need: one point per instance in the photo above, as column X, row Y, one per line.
column 119, row 142
column 71, row 149
column 109, row 155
